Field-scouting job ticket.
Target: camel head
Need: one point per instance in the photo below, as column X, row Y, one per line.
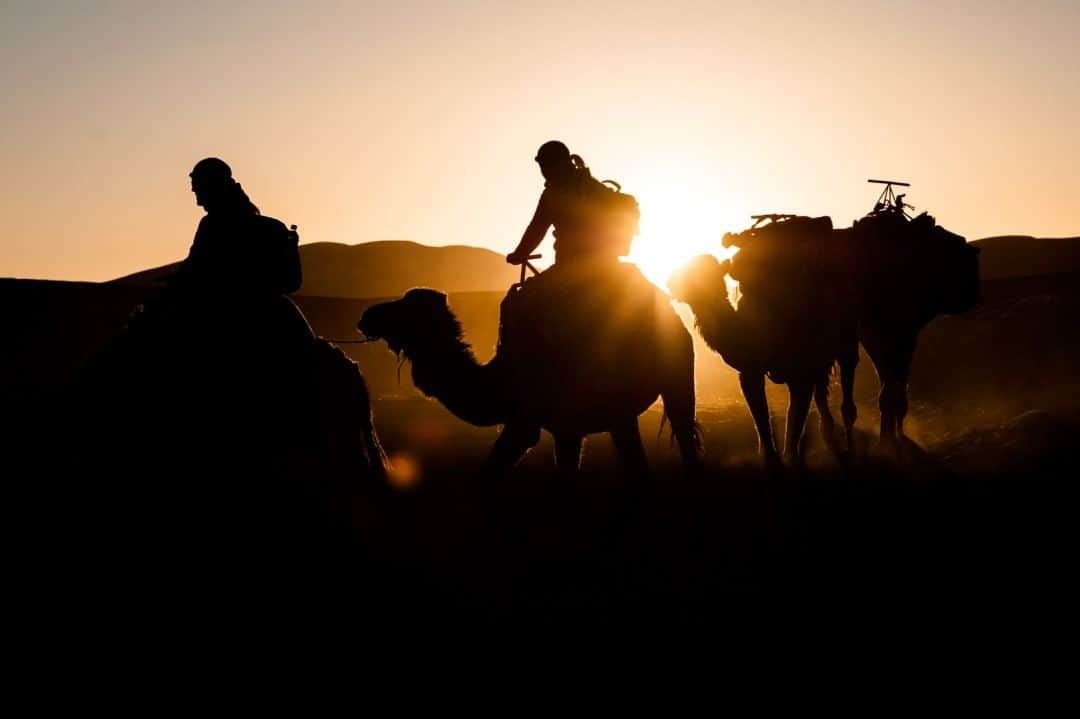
column 699, row 280
column 736, row 239
column 419, row 320
column 940, row 266
column 953, row 265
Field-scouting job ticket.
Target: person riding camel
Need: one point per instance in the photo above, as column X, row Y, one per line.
column 236, row 251
column 231, row 287
column 594, row 223
column 591, row 221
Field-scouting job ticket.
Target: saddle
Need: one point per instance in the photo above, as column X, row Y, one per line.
column 598, row 306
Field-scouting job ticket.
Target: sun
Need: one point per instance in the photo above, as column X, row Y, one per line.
column 678, row 223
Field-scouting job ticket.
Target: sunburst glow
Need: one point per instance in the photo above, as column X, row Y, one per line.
column 679, row 222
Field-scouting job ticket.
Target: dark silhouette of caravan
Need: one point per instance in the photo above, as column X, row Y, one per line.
column 574, row 359
column 584, row 347
column 181, row 381
column 811, row 294
column 792, row 323
column 906, row 273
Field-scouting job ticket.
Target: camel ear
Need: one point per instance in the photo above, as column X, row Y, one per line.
column 438, row 299
column 428, row 296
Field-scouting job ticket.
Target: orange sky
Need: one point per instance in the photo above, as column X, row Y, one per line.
column 419, row 121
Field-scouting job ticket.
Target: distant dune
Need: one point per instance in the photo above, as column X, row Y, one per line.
column 382, row 269
column 1030, row 290
column 1024, row 256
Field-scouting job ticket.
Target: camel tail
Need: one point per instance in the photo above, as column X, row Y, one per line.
column 696, row 429
column 694, row 432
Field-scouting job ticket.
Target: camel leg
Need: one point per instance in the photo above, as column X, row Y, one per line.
column 881, row 354
column 886, row 432
column 894, row 406
column 680, row 401
column 893, row 403
column 568, row 454
column 753, row 388
column 680, row 408
column 900, row 409
column 828, row 424
column 900, row 389
column 798, row 408
column 627, row 440
column 848, row 410
column 887, row 427
column 511, row 445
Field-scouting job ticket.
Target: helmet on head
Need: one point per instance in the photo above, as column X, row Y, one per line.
column 553, row 151
column 211, row 169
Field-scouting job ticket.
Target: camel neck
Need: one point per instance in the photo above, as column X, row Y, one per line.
column 716, row 319
column 721, row 329
column 450, row 373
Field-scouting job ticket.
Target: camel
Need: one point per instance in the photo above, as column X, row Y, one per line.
column 906, row 273
column 186, row 393
column 759, row 340
column 878, row 283
column 585, row 357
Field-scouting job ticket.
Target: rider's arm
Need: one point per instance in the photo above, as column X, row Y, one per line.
column 538, row 227
column 196, row 261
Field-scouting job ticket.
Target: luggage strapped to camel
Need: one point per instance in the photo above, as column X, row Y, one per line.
column 620, row 216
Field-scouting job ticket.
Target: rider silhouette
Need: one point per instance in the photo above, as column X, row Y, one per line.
column 231, row 289
column 592, row 225
column 236, row 250
column 565, row 204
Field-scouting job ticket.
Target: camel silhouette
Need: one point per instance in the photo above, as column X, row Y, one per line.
column 188, row 393
column 905, row 273
column 587, row 357
column 810, row 297
column 764, row 339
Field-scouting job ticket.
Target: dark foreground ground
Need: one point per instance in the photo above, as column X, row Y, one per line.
column 978, row 525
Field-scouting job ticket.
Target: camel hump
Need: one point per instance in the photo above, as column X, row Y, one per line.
column 605, row 308
column 784, row 259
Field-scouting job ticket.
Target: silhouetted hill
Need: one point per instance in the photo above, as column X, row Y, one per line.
column 384, row 269
column 1025, row 322
column 1022, row 255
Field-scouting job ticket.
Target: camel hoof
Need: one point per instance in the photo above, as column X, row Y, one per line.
column 832, row 442
column 691, row 470
column 888, row 446
column 772, row 460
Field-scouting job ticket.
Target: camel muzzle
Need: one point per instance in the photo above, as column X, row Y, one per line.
column 372, row 330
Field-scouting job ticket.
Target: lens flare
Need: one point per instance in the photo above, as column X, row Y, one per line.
column 678, row 223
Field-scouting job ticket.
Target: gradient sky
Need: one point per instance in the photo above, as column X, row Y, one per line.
column 419, row 121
